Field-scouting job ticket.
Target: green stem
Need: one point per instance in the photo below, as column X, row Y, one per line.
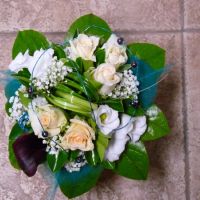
column 76, row 100
column 68, row 90
column 74, row 85
column 60, row 102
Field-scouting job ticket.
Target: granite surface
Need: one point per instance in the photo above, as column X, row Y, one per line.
column 174, row 25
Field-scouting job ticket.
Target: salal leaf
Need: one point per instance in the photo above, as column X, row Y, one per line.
column 14, row 134
column 58, row 51
column 91, row 25
column 128, row 107
column 134, row 162
column 29, row 40
column 73, row 155
column 108, row 165
column 89, row 74
column 7, row 107
column 115, row 104
column 92, row 157
column 23, row 76
column 56, row 162
column 100, row 56
column 124, row 67
column 84, row 64
column 101, row 144
column 24, row 100
column 150, row 61
column 157, row 124
column 151, row 54
column 76, row 183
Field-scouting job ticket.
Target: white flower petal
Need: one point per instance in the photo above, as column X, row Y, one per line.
column 111, row 121
column 139, row 128
column 20, row 61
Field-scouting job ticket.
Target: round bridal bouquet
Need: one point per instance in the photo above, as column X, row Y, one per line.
column 83, row 105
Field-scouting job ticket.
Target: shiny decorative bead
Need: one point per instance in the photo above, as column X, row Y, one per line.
column 120, row 40
column 134, row 64
column 135, row 104
column 79, row 159
column 45, row 134
column 30, row 90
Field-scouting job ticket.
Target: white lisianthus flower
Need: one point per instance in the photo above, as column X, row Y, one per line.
column 20, row 61
column 115, row 53
column 106, row 118
column 130, row 128
column 106, row 75
column 46, row 117
column 40, row 62
column 83, row 46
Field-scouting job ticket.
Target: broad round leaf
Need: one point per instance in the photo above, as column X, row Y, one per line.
column 151, row 54
column 150, row 61
column 29, row 39
column 90, row 24
column 56, row 162
column 157, row 125
column 134, row 162
column 76, row 183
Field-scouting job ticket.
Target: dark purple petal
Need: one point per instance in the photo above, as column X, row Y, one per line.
column 29, row 152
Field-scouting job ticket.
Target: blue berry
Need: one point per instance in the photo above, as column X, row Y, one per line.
column 134, row 64
column 120, row 40
column 45, row 134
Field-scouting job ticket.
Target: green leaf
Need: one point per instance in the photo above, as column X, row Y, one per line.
column 73, row 155
column 14, row 134
column 89, row 74
column 24, row 100
column 108, row 165
column 124, row 67
column 115, row 104
column 76, row 183
column 151, row 54
column 7, row 106
column 157, row 124
column 84, row 64
column 92, row 157
column 62, row 103
column 58, row 51
column 134, row 162
column 91, row 25
column 29, row 40
column 56, row 162
column 67, row 90
column 23, row 76
column 128, row 108
column 101, row 144
column 100, row 56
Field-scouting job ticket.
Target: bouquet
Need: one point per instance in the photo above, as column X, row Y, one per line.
column 84, row 105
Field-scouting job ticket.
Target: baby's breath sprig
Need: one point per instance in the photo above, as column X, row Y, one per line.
column 55, row 74
column 127, row 87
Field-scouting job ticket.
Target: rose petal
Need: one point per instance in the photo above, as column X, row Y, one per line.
column 29, row 152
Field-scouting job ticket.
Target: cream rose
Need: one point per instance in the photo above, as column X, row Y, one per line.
column 106, row 74
column 115, row 53
column 47, row 117
column 78, row 136
column 83, row 46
